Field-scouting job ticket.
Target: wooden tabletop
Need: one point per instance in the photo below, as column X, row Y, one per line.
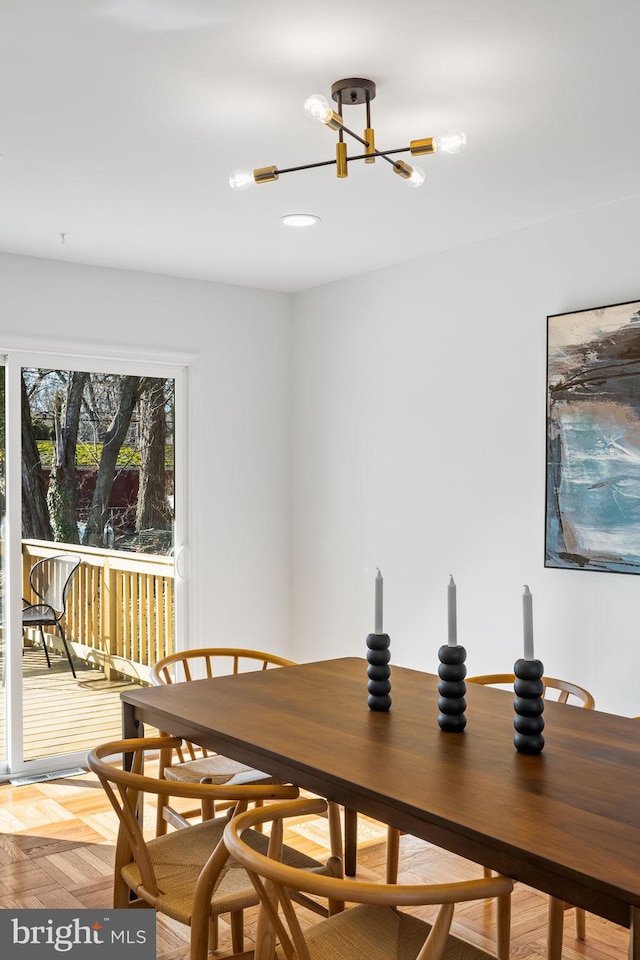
column 566, row 822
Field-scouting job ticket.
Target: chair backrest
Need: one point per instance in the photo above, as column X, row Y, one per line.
column 563, row 688
column 277, row 883
column 210, row 662
column 51, row 578
column 125, row 787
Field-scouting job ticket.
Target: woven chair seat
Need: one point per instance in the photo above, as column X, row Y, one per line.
column 185, row 666
column 374, row 927
column 187, row 874
column 179, row 857
column 367, row 932
column 215, row 769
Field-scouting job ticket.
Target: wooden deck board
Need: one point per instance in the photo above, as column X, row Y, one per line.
column 63, row 715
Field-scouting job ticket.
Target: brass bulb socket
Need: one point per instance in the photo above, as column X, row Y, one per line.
column 421, row 147
column 265, row 174
column 370, row 150
column 402, row 169
column 333, row 120
column 341, row 159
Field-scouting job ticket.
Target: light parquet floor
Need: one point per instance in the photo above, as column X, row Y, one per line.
column 56, row 849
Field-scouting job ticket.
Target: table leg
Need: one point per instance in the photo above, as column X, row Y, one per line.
column 634, row 934
column 554, row 930
column 131, row 728
column 350, row 841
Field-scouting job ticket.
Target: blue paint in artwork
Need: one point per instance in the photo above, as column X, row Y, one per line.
column 599, row 491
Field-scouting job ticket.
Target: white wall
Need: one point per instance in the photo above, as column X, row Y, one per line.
column 419, row 447
column 239, row 481
column 417, row 409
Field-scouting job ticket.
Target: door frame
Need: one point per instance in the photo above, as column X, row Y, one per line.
column 153, row 364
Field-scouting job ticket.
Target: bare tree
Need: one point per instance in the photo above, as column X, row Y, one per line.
column 113, row 440
column 153, row 509
column 62, row 495
column 35, row 515
column 88, row 416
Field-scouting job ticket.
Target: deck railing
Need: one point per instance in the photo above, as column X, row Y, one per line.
column 120, row 607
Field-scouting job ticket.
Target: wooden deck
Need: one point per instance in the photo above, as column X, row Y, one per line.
column 63, row 715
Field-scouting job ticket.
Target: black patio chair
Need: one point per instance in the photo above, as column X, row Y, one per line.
column 50, row 580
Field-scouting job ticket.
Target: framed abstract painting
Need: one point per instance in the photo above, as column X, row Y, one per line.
column 593, row 439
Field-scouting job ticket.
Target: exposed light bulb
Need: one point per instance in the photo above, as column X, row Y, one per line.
column 413, row 176
column 241, row 179
column 452, row 142
column 417, row 177
column 317, row 107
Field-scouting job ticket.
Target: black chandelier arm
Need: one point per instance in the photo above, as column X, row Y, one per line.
column 309, row 166
column 384, row 154
column 355, row 136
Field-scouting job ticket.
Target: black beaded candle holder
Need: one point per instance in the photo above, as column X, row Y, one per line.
column 528, row 705
column 452, row 688
column 378, row 671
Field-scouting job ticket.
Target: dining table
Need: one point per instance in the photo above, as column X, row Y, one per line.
column 565, row 821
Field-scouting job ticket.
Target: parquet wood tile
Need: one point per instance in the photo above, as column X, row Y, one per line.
column 67, row 861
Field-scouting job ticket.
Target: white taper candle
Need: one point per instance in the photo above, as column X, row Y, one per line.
column 527, row 623
column 378, row 611
column 452, row 638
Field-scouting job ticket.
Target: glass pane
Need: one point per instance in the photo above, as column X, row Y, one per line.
column 3, row 488
column 98, row 484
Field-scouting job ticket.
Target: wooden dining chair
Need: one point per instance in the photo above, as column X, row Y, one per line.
column 189, row 763
column 185, row 874
column 563, row 691
column 372, row 927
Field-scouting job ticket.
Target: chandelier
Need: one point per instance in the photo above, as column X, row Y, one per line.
column 354, row 91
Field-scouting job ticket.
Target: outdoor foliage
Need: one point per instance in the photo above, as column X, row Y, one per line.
column 80, row 431
column 88, row 455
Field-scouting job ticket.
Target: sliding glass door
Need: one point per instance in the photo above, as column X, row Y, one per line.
column 95, row 490
column 3, row 636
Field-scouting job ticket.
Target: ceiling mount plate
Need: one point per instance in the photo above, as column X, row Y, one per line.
column 353, row 90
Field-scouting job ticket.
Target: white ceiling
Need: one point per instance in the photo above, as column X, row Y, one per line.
column 122, row 119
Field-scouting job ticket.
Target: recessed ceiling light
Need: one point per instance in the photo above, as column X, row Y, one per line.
column 300, row 219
